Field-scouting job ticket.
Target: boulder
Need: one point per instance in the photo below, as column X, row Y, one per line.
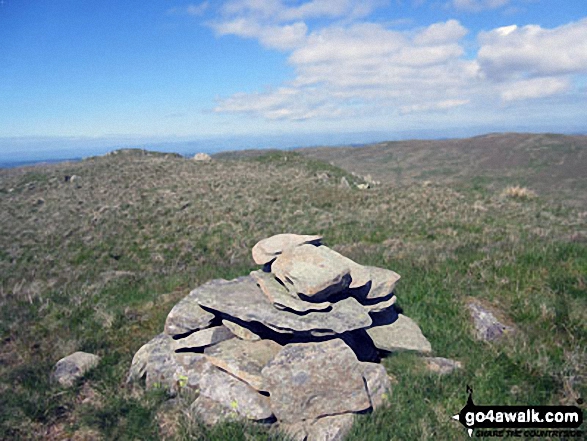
column 211, row 412
column 187, row 316
column 244, row 359
column 242, row 298
column 401, row 335
column 314, row 380
column 330, row 428
column 487, row 326
column 377, row 382
column 74, row 366
column 311, row 273
column 268, row 249
column 234, row 394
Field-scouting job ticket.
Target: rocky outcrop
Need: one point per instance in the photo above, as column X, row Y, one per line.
column 295, row 343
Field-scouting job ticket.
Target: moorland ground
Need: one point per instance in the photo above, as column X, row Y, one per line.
column 96, row 263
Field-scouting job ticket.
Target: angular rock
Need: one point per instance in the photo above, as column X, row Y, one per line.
column 311, row 273
column 211, row 412
column 294, row 431
column 187, row 316
column 280, row 297
column 268, row 249
column 378, row 384
column 202, row 157
column 330, row 428
column 234, row 394
column 203, row 338
column 442, row 366
column 313, row 380
column 382, row 282
column 487, row 326
column 74, row 366
column 344, row 183
column 244, row 359
column 161, row 366
column 401, row 335
column 241, row 298
column 380, row 306
column 240, row 331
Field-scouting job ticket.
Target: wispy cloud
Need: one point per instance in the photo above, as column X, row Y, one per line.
column 478, row 5
column 357, row 67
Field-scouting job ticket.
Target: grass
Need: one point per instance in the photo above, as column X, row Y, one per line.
column 98, row 265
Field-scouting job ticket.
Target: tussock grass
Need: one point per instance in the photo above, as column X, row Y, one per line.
column 98, row 264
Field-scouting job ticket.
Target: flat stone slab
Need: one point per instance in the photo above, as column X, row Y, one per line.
column 378, row 384
column 244, row 359
column 442, row 366
column 240, row 331
column 268, row 249
column 74, row 366
column 281, row 298
column 330, row 428
column 234, row 394
column 187, row 316
column 383, row 282
column 313, row 380
column 203, row 338
column 487, row 326
column 243, row 299
column 380, row 306
column 311, row 272
column 401, row 335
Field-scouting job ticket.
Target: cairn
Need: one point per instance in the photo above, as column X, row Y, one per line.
column 295, row 344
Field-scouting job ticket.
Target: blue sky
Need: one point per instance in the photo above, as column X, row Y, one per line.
column 162, row 71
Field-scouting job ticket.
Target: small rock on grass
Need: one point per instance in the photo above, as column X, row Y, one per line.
column 74, row 366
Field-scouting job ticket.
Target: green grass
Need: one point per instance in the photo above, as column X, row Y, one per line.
column 98, row 267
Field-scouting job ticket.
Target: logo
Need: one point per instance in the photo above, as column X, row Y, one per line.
column 510, row 420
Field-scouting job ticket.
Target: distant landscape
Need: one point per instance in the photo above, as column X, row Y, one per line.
column 95, row 264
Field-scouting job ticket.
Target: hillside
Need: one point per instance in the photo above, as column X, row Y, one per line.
column 96, row 261
column 553, row 165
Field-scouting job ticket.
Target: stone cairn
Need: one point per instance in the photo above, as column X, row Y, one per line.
column 295, row 344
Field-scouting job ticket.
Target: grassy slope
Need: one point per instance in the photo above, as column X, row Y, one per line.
column 554, row 165
column 96, row 264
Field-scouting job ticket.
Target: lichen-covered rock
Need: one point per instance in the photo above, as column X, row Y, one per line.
column 378, row 384
column 187, row 316
column 240, row 331
column 442, row 366
column 330, row 428
column 314, row 380
column 74, row 366
column 401, row 335
column 487, row 325
column 203, row 338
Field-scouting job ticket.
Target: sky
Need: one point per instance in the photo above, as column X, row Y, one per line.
column 99, row 73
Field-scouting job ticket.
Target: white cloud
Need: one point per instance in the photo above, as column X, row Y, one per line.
column 199, row 9
column 478, row 5
column 275, row 37
column 534, row 88
column 516, row 52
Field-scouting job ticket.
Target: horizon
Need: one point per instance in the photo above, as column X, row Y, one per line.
column 83, row 79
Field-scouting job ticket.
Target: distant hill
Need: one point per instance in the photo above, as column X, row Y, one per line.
column 551, row 164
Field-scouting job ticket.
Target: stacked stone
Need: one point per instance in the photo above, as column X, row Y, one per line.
column 295, row 343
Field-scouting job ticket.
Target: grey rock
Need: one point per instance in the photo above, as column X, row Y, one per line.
column 187, row 316
column 360, row 274
column 74, row 366
column 203, row 338
column 344, row 183
column 487, row 326
column 202, row 157
column 442, row 366
column 313, row 380
column 362, row 186
column 244, row 359
column 241, row 298
column 401, row 335
column 240, row 331
column 211, row 412
column 311, row 272
column 330, row 428
column 381, row 306
column 268, row 249
column 378, row 384
column 234, row 394
column 294, row 431
column 383, row 282
column 281, row 298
